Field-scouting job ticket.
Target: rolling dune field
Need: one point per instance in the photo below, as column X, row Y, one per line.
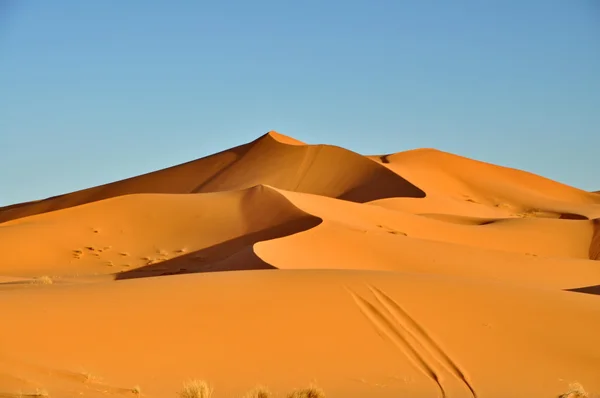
column 414, row 274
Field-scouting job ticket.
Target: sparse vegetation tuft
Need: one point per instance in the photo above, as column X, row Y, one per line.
column 576, row 390
column 42, row 280
column 39, row 393
column 196, row 389
column 311, row 392
column 259, row 392
column 201, row 389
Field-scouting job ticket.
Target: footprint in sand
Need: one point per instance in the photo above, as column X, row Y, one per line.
column 391, row 230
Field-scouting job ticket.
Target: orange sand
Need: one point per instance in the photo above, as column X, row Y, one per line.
column 417, row 274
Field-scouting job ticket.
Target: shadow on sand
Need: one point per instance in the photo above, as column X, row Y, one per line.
column 233, row 255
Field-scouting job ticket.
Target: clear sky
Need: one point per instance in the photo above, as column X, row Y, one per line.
column 95, row 91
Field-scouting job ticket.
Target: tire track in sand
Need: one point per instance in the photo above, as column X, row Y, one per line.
column 391, row 321
column 421, row 336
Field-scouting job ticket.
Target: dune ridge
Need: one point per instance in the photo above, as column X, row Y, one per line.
column 513, row 191
column 419, row 274
column 118, row 235
column 269, row 160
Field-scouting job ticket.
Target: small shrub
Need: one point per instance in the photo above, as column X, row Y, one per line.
column 259, row 392
column 576, row 390
column 196, row 389
column 311, row 392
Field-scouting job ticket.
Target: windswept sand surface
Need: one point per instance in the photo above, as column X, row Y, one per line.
column 415, row 274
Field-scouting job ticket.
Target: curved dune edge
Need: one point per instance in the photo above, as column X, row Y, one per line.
column 282, row 321
column 272, row 159
column 520, row 192
column 150, row 234
column 546, row 253
column 331, row 246
column 284, row 139
column 536, row 236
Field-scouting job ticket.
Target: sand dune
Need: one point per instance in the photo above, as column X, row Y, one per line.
column 334, row 246
column 450, row 176
column 416, row 274
column 128, row 232
column 539, row 236
column 270, row 160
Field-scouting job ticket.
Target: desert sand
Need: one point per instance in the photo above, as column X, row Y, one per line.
column 277, row 263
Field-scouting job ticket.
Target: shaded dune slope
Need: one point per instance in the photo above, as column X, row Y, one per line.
column 595, row 244
column 271, row 160
column 158, row 232
column 512, row 191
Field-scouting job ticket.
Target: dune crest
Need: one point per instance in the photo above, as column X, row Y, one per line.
column 133, row 234
column 442, row 174
column 284, row 139
column 270, row 160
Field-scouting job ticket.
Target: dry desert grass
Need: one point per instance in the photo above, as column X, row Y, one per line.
column 42, row 280
column 310, row 392
column 259, row 392
column 201, row 389
column 576, row 390
column 196, row 389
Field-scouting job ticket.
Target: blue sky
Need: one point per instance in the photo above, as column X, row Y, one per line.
column 95, row 91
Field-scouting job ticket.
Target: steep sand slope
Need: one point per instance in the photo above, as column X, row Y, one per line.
column 534, row 252
column 444, row 175
column 128, row 232
column 271, row 159
column 356, row 334
column 595, row 244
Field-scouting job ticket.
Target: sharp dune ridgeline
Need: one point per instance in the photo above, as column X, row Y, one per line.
column 282, row 264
